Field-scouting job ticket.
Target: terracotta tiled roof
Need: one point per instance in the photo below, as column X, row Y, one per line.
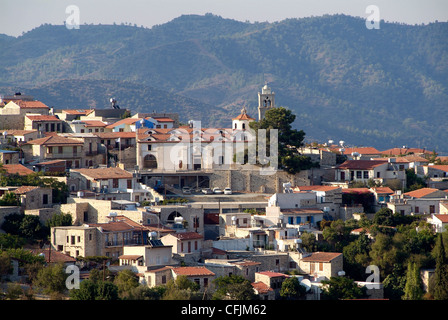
column 421, row 192
column 243, row 116
column 53, row 255
column 162, row 119
column 187, row 235
column 361, row 150
column 383, row 190
column 78, row 111
column 261, row 287
column 55, row 140
column 322, row 256
column 439, row 167
column 31, row 104
column 43, row 118
column 19, row 132
column 17, row 169
column 94, row 123
column 361, row 164
column 356, row 190
column 105, row 173
column 273, row 274
column 218, row 251
column 25, row 189
column 442, row 217
column 192, row 271
column 401, row 151
column 123, row 121
column 130, row 257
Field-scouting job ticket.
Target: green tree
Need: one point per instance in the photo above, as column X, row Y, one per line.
column 356, row 256
column 413, row 288
column 309, row 242
column 341, row 288
column 438, row 286
column 51, row 279
column 413, row 182
column 384, row 217
column 143, row 292
column 233, row 287
column 14, row 291
column 10, row 199
column 59, row 219
column 32, row 228
column 395, row 282
column 126, row 280
column 86, row 291
column 292, row 289
column 181, row 289
column 337, row 235
column 106, row 290
column 289, row 140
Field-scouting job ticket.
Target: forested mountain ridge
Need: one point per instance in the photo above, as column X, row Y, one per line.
column 384, row 87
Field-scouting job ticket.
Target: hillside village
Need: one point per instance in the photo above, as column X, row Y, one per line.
column 200, row 213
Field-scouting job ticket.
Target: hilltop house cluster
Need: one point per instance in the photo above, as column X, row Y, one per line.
column 120, row 169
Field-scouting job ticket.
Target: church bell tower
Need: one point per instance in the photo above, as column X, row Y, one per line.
column 266, row 101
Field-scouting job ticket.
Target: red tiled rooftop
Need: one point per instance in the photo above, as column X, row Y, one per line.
column 361, row 164
column 31, row 104
column 442, row 217
column 261, row 287
column 322, row 256
column 17, row 169
column 361, row 150
column 53, row 255
column 273, row 274
column 105, row 173
column 55, row 140
column 192, row 271
column 25, row 189
column 421, row 192
column 43, row 118
column 187, row 235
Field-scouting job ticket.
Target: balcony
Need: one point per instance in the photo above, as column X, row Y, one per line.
column 122, row 242
column 62, row 155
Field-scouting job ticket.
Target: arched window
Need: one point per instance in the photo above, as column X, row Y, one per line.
column 150, row 162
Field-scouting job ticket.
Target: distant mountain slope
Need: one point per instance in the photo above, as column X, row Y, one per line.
column 77, row 94
column 385, row 87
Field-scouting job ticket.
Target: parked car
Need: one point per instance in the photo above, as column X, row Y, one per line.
column 207, row 191
column 227, row 191
column 186, row 190
column 217, row 190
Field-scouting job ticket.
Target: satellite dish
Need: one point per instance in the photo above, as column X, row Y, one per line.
column 341, row 142
column 306, row 283
column 330, row 141
column 355, row 154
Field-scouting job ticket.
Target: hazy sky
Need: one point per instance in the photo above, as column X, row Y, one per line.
column 23, row 15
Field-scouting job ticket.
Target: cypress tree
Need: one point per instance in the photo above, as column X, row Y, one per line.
column 413, row 288
column 439, row 283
